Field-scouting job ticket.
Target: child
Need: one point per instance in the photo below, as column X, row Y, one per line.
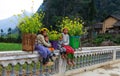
column 69, row 49
column 61, row 47
column 50, row 48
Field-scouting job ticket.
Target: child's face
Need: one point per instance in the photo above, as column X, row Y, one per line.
column 44, row 33
column 46, row 38
column 65, row 31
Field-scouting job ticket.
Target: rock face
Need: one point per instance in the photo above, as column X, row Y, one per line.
column 108, row 43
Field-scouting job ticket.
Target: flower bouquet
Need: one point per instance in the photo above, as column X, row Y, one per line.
column 75, row 28
column 29, row 26
column 53, row 37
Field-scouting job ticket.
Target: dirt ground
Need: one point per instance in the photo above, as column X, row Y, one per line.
column 108, row 70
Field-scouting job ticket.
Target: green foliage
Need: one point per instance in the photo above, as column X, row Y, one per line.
column 75, row 26
column 55, row 10
column 98, row 40
column 104, row 37
column 116, row 39
column 88, row 10
column 30, row 24
column 53, row 35
column 11, row 38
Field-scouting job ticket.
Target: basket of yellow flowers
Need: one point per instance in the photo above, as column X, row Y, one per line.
column 53, row 37
column 29, row 26
column 75, row 30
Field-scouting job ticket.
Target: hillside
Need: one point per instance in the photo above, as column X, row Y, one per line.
column 10, row 22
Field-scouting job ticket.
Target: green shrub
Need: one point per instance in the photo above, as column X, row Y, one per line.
column 98, row 40
column 104, row 37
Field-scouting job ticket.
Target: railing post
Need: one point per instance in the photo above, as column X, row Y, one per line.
column 12, row 70
column 62, row 66
column 27, row 69
column 3, row 71
column 41, row 69
column 114, row 54
column 34, row 69
column 20, row 70
column 47, row 73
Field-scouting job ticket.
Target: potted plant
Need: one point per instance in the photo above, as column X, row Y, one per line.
column 29, row 26
column 53, row 37
column 75, row 28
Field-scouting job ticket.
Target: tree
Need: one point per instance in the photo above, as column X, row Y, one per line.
column 55, row 10
column 87, row 10
column 9, row 31
column 1, row 32
column 91, row 18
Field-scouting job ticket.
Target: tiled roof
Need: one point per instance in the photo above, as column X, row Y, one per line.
column 116, row 16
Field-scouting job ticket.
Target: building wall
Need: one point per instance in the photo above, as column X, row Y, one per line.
column 108, row 23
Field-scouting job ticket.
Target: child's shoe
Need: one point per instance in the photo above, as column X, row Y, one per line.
column 50, row 63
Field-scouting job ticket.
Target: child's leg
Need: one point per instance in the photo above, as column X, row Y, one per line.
column 69, row 59
column 51, row 58
column 72, row 59
column 63, row 52
column 45, row 61
column 49, row 63
column 62, row 55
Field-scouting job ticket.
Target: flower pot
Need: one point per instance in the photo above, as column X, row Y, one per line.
column 54, row 44
column 28, row 42
column 75, row 42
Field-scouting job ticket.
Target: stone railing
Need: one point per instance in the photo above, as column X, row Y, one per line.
column 24, row 64
column 29, row 64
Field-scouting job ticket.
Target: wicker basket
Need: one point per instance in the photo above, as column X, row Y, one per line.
column 28, row 42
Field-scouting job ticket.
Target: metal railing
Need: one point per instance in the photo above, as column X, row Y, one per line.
column 29, row 64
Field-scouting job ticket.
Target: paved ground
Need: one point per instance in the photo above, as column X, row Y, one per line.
column 108, row 70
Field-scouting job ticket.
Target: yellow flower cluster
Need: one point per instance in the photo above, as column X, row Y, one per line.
column 30, row 24
column 53, row 35
column 74, row 26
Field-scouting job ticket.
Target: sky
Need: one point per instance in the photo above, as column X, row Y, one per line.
column 9, row 8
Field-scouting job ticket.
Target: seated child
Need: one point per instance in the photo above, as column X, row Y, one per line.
column 69, row 49
column 61, row 47
column 50, row 48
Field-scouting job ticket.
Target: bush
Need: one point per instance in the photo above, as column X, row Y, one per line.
column 105, row 37
column 13, row 38
column 116, row 39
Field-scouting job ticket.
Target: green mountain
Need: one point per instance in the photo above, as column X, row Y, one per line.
column 88, row 10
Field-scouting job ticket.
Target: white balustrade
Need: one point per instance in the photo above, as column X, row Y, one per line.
column 88, row 57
